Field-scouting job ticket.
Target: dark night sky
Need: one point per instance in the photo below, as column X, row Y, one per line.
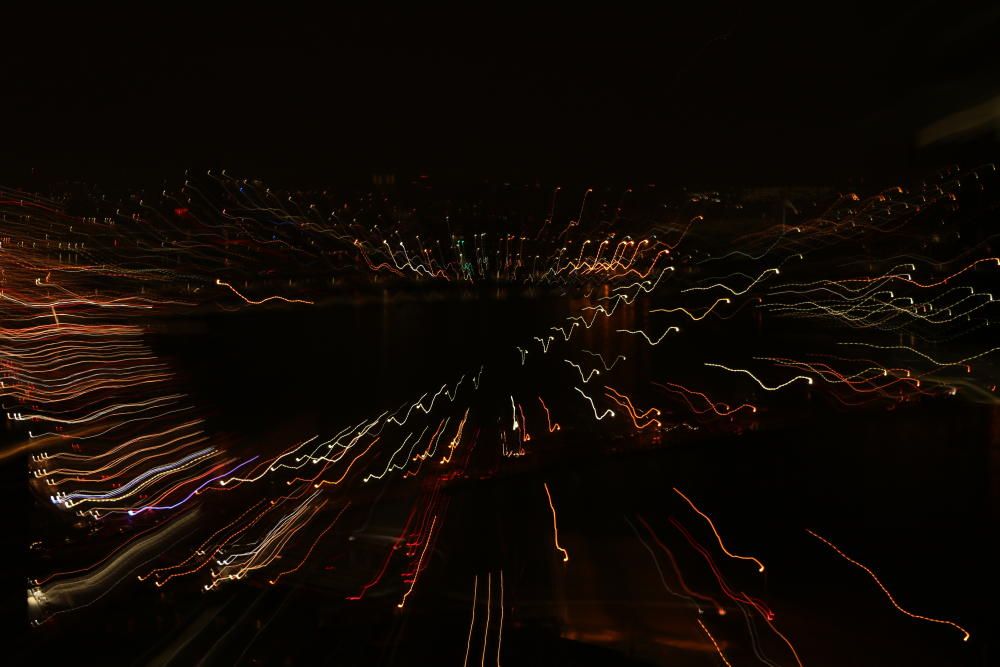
column 712, row 94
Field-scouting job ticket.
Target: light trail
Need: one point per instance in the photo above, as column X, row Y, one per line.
column 555, row 524
column 715, row 532
column 892, row 600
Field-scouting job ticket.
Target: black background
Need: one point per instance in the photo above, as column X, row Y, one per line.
column 694, row 93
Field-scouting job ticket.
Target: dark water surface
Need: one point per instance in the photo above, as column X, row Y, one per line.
column 906, row 491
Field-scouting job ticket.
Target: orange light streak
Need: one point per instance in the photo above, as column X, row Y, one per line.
column 885, row 590
column 253, row 302
column 716, row 532
column 555, row 525
column 718, row 648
